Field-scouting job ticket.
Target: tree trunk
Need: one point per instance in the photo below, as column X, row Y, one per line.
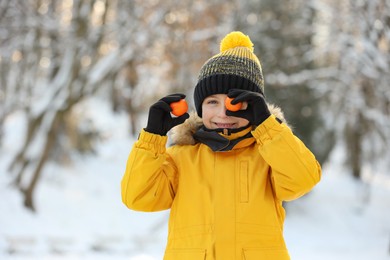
column 51, row 136
column 20, row 159
column 354, row 135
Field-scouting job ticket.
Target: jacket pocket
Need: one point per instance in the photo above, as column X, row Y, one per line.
column 244, row 185
column 265, row 254
column 185, row 254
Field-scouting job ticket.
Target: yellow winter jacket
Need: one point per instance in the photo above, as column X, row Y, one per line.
column 224, row 205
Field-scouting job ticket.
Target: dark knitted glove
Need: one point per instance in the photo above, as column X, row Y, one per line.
column 257, row 110
column 160, row 120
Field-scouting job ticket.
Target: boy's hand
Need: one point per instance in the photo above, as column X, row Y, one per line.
column 160, row 120
column 257, row 109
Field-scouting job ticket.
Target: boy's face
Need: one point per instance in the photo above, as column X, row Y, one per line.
column 214, row 114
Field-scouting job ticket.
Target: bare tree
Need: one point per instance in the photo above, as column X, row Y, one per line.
column 357, row 45
column 64, row 59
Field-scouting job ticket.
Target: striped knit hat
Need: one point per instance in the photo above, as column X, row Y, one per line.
column 236, row 66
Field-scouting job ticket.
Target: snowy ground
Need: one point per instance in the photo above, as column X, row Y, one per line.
column 80, row 214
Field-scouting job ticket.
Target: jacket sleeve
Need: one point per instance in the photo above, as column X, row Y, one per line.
column 294, row 169
column 150, row 180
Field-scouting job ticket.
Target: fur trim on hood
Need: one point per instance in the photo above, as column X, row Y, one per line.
column 183, row 133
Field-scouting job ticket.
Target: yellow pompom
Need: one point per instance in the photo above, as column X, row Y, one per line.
column 236, row 39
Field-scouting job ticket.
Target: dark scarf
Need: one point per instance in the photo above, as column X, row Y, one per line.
column 220, row 140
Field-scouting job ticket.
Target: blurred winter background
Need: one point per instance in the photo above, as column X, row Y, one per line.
column 77, row 78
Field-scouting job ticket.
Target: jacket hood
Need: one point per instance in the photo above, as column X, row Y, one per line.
column 183, row 133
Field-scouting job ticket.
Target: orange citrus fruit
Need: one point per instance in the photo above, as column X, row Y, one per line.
column 230, row 106
column 179, row 108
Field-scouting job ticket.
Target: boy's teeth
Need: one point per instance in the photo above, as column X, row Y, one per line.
column 225, row 125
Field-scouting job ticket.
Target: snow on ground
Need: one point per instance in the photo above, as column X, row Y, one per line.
column 80, row 214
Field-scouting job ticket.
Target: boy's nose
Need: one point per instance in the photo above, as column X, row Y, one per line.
column 222, row 111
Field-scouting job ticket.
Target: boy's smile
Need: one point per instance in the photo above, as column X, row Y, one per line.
column 214, row 114
column 225, row 125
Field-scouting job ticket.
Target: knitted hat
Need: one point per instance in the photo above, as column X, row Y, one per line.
column 236, row 66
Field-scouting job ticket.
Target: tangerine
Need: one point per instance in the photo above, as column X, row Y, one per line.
column 179, row 108
column 230, row 106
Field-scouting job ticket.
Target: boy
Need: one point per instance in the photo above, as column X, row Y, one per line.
column 228, row 172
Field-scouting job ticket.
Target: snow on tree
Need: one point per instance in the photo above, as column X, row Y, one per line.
column 354, row 39
column 62, row 53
